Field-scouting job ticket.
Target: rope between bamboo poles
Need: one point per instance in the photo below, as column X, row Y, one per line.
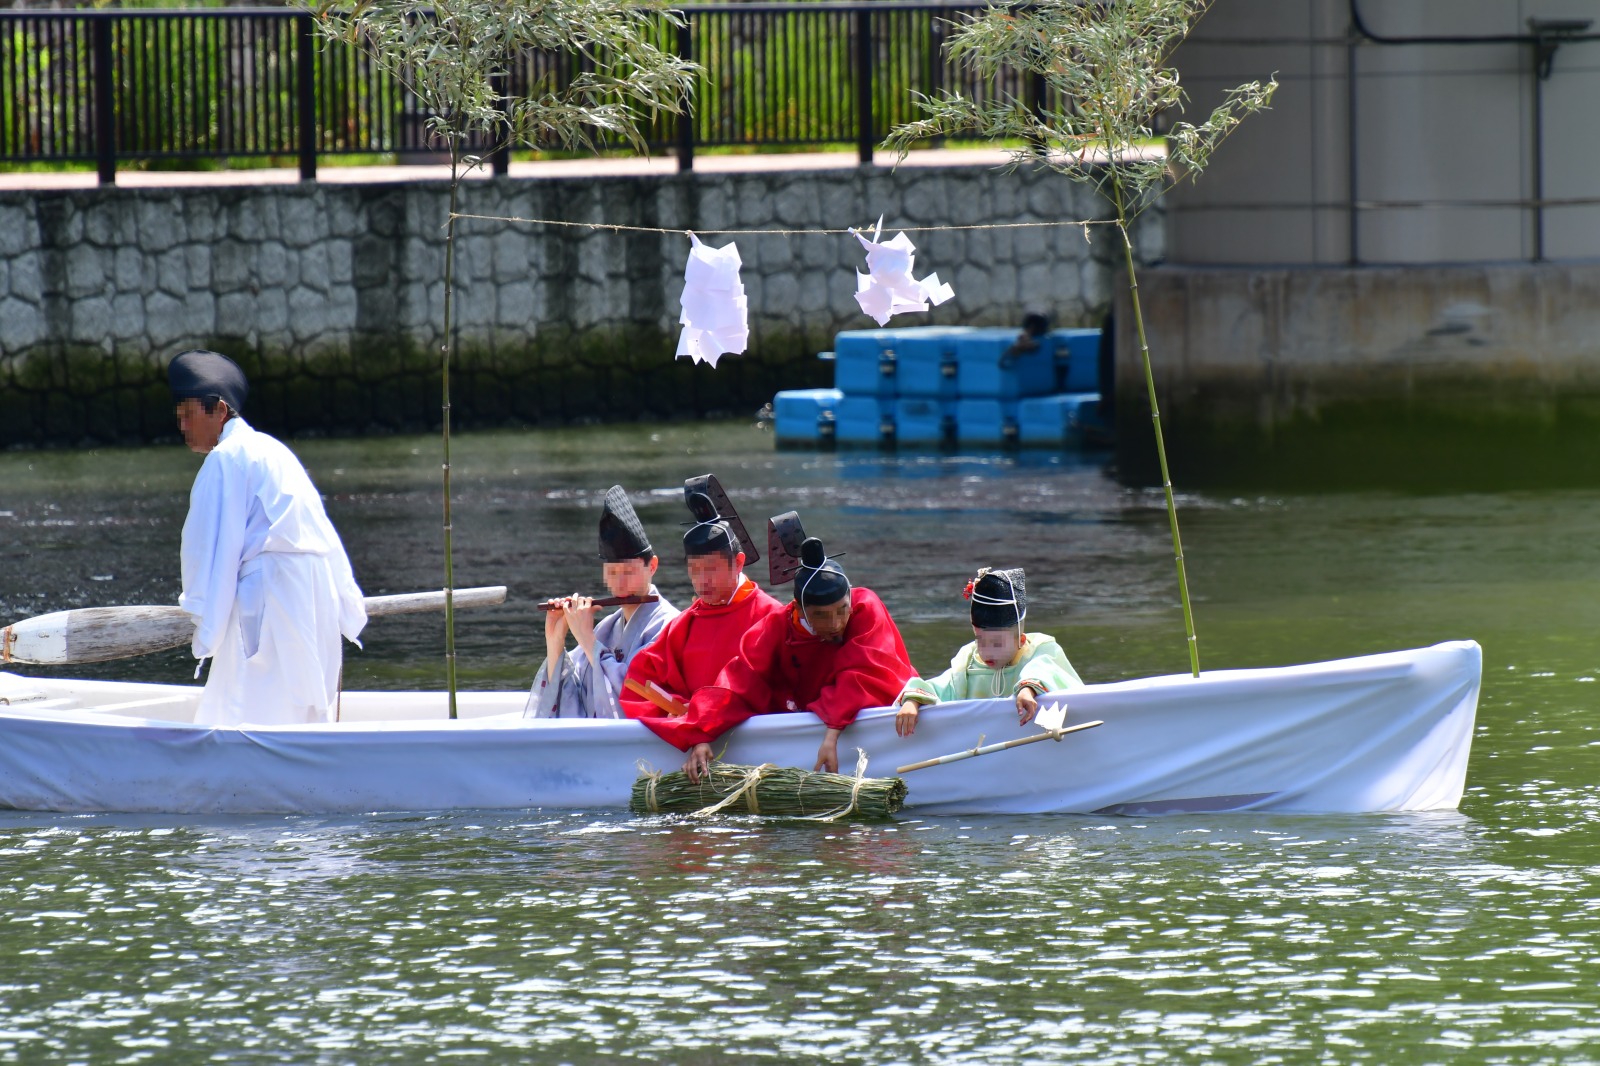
column 618, row 227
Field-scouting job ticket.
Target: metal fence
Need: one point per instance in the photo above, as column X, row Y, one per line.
column 109, row 86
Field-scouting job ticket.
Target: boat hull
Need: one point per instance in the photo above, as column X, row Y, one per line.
column 1389, row 732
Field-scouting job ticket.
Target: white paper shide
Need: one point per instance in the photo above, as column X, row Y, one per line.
column 887, row 288
column 716, row 314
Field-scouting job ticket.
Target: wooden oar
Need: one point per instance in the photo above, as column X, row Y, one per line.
column 605, row 601
column 96, row 634
column 1053, row 734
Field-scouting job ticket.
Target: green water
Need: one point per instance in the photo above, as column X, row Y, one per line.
column 595, row 937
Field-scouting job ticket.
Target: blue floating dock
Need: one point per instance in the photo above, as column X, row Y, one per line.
column 1077, row 359
column 806, row 416
column 988, row 364
column 927, row 361
column 932, row 386
column 983, row 421
column 1053, row 421
column 864, row 420
column 922, row 420
column 866, row 362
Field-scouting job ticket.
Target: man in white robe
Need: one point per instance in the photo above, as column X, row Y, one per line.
column 586, row 682
column 264, row 572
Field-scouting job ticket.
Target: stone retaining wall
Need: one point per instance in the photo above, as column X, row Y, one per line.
column 331, row 295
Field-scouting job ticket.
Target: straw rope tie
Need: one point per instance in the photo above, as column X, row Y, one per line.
column 746, row 790
column 855, row 791
column 654, row 775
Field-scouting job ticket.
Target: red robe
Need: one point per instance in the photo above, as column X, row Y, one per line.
column 694, row 647
column 783, row 667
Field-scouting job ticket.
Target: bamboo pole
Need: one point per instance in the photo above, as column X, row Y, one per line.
column 981, row 749
column 1155, row 422
column 444, row 377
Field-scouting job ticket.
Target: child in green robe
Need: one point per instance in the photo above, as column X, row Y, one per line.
column 1003, row 660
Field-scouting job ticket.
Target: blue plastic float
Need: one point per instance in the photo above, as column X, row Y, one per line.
column 932, row 386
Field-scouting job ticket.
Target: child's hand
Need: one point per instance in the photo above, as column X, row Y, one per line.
column 905, row 719
column 555, row 626
column 1027, row 705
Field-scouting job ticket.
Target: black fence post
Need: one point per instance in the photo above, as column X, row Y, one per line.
column 864, row 137
column 105, row 118
column 686, row 116
column 1038, row 89
column 500, row 158
column 306, row 74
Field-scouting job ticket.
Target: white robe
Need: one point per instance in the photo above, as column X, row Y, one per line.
column 585, row 689
column 268, row 583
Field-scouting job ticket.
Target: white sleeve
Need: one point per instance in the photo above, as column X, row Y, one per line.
column 213, row 541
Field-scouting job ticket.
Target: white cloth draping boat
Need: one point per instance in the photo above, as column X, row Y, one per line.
column 1387, row 732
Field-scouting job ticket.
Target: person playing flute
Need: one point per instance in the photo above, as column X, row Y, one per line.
column 586, row 682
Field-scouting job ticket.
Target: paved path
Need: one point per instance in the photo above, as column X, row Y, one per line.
column 566, row 168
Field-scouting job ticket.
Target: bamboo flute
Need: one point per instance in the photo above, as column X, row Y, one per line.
column 605, row 601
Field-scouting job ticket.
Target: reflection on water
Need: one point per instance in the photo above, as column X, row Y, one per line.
column 585, row 937
column 562, row 936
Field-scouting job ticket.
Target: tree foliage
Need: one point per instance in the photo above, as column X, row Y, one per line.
column 1106, row 79
column 597, row 66
column 605, row 68
column 1105, row 67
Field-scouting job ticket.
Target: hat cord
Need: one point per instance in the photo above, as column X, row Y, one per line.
column 800, row 597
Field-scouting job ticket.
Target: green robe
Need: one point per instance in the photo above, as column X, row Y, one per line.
column 1042, row 665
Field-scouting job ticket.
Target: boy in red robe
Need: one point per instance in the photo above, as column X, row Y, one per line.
column 833, row 651
column 694, row 647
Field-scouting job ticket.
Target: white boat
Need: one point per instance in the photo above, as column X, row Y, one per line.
column 1387, row 732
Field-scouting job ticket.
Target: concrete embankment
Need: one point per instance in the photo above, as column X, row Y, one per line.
column 1470, row 374
column 331, row 294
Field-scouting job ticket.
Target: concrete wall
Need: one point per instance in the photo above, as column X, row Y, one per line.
column 1442, row 157
column 1355, row 292
column 1471, row 373
column 331, row 295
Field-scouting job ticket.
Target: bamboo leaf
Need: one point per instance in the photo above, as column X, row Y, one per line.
column 1106, row 67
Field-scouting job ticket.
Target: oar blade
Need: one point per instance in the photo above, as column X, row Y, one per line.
column 99, row 634
column 95, row 635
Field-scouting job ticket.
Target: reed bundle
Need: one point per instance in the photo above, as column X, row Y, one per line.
column 779, row 791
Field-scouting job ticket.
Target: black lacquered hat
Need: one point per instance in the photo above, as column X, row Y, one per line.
column 820, row 580
column 784, row 537
column 717, row 526
column 199, row 374
column 622, row 535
